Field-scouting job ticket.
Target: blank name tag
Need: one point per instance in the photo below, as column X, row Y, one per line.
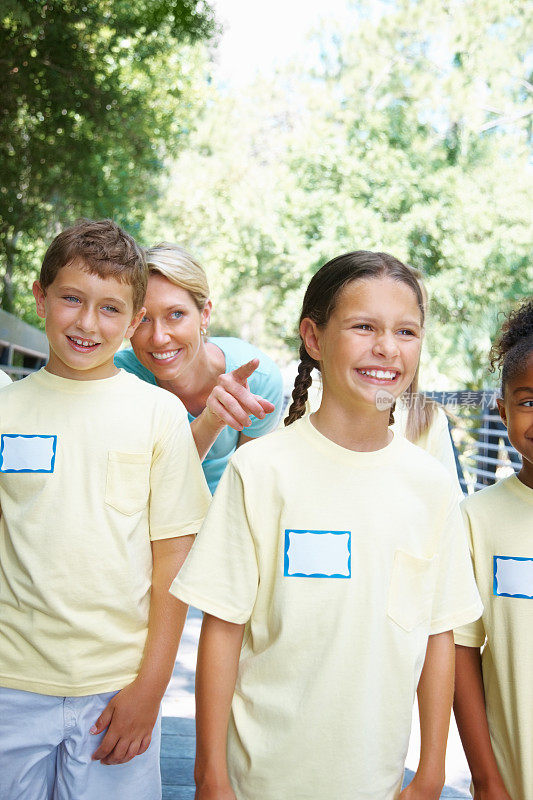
column 513, row 576
column 317, row 554
column 19, row 453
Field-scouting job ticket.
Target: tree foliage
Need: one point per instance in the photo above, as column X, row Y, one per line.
column 96, row 94
column 412, row 135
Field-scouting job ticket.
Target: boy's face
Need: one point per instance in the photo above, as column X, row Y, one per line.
column 516, row 411
column 87, row 318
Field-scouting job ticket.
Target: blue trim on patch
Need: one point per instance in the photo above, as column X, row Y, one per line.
column 495, row 579
column 286, row 573
column 26, row 436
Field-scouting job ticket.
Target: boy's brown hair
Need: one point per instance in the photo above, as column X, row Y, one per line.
column 105, row 250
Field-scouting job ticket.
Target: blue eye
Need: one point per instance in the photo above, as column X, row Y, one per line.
column 71, row 298
column 176, row 314
column 111, row 308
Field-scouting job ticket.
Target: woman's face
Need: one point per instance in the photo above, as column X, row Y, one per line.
column 169, row 337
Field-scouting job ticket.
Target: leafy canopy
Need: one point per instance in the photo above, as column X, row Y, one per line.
column 96, row 94
column 412, row 135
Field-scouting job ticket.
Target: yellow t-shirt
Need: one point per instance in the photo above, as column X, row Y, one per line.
column 436, row 440
column 499, row 521
column 341, row 564
column 90, row 472
column 5, row 380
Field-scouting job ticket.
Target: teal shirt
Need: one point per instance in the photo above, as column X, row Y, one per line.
column 266, row 381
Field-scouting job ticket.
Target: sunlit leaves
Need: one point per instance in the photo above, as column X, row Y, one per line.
column 96, row 95
column 408, row 136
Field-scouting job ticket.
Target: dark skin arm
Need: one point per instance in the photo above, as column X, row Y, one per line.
column 471, row 717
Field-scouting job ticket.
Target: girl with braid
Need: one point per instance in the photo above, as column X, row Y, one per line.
column 332, row 567
column 422, row 421
column 494, row 692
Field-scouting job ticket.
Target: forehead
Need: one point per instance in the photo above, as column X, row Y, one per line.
column 163, row 292
column 378, row 297
column 77, row 274
column 522, row 375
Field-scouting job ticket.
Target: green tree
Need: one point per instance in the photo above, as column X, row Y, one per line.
column 96, row 94
column 229, row 199
column 412, row 135
column 425, row 137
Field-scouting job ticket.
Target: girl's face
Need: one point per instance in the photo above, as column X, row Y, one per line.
column 516, row 411
column 370, row 343
column 169, row 337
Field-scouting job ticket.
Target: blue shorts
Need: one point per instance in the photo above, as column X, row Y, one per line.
column 46, row 749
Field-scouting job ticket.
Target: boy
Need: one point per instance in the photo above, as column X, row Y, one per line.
column 101, row 492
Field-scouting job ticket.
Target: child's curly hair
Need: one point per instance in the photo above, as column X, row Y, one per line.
column 514, row 344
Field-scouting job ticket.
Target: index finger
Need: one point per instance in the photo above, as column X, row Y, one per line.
column 243, row 372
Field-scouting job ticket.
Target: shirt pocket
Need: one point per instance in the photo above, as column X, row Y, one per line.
column 411, row 589
column 128, row 481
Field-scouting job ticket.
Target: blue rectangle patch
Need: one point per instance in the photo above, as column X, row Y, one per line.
column 27, row 453
column 513, row 576
column 317, row 554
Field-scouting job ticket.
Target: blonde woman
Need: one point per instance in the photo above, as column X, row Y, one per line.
column 232, row 391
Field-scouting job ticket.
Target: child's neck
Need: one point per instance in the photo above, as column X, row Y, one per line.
column 525, row 475
column 57, row 367
column 364, row 430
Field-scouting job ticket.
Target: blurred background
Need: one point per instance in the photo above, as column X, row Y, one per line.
column 268, row 138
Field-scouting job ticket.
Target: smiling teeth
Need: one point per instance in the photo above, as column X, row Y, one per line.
column 378, row 373
column 164, row 356
column 83, row 342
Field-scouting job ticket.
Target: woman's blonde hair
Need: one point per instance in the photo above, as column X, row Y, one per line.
column 180, row 268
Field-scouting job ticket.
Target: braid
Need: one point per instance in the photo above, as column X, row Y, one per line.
column 302, row 383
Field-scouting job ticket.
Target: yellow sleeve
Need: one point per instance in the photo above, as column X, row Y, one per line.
column 438, row 443
column 179, row 496
column 457, row 601
column 221, row 574
column 473, row 634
